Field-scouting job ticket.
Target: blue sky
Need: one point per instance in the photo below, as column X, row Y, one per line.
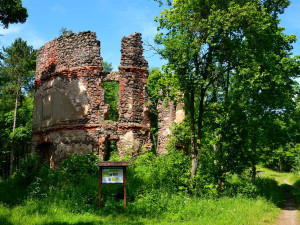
column 110, row 19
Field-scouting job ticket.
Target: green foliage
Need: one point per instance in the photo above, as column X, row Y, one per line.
column 111, row 90
column 22, row 133
column 76, row 168
column 282, row 159
column 64, row 30
column 27, row 171
column 169, row 172
column 18, row 67
column 16, row 86
column 107, row 67
column 158, row 86
column 12, row 11
column 157, row 192
column 181, row 211
column 232, row 62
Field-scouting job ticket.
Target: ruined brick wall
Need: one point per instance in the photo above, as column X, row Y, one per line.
column 69, row 105
column 168, row 114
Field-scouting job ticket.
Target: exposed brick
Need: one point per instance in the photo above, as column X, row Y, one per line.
column 168, row 114
column 69, row 106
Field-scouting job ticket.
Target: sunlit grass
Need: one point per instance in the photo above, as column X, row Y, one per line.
column 293, row 178
column 45, row 201
column 196, row 211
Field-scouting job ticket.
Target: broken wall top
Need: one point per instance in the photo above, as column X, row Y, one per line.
column 67, row 52
column 132, row 52
column 73, row 51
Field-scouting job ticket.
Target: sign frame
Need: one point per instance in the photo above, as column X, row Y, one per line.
column 112, row 165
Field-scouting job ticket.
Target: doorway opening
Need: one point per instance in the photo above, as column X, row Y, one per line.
column 46, row 152
column 111, row 149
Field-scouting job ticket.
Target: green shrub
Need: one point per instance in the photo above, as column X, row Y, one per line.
column 76, row 168
column 44, row 184
column 27, row 170
column 169, row 172
column 15, row 188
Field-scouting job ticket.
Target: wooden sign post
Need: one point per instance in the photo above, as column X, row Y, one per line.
column 112, row 173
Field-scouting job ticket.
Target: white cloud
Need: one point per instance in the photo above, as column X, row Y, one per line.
column 24, row 31
column 13, row 29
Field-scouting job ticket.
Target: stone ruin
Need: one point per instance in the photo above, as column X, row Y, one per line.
column 69, row 105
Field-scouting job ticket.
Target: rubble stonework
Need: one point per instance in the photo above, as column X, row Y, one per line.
column 69, row 105
column 168, row 114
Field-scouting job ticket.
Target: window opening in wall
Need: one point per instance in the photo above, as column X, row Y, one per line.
column 111, row 149
column 111, row 90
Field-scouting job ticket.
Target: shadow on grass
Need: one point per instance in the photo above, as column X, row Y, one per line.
column 285, row 196
column 95, row 223
column 3, row 220
column 12, row 193
column 78, row 223
column 269, row 189
column 297, row 183
column 291, row 192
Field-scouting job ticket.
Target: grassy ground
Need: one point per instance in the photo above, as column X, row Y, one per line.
column 70, row 196
column 60, row 206
column 293, row 178
column 197, row 211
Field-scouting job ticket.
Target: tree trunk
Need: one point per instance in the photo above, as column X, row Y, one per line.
column 193, row 141
column 221, row 182
column 280, row 164
column 12, row 153
column 227, row 85
column 253, row 172
column 253, row 161
column 25, row 151
column 197, row 149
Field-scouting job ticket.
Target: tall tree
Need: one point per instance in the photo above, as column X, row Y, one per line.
column 12, row 11
column 18, row 66
column 206, row 40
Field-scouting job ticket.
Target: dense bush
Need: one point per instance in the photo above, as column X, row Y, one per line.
column 76, row 168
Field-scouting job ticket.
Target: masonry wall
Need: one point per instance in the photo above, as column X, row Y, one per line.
column 69, row 105
column 168, row 114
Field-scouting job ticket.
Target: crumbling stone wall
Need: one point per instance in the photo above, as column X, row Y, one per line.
column 168, row 114
column 69, row 105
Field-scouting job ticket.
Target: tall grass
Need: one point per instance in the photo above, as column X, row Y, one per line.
column 157, row 194
column 181, row 211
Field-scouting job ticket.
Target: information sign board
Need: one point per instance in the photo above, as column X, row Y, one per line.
column 112, row 175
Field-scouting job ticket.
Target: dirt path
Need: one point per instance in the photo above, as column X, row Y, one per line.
column 289, row 215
